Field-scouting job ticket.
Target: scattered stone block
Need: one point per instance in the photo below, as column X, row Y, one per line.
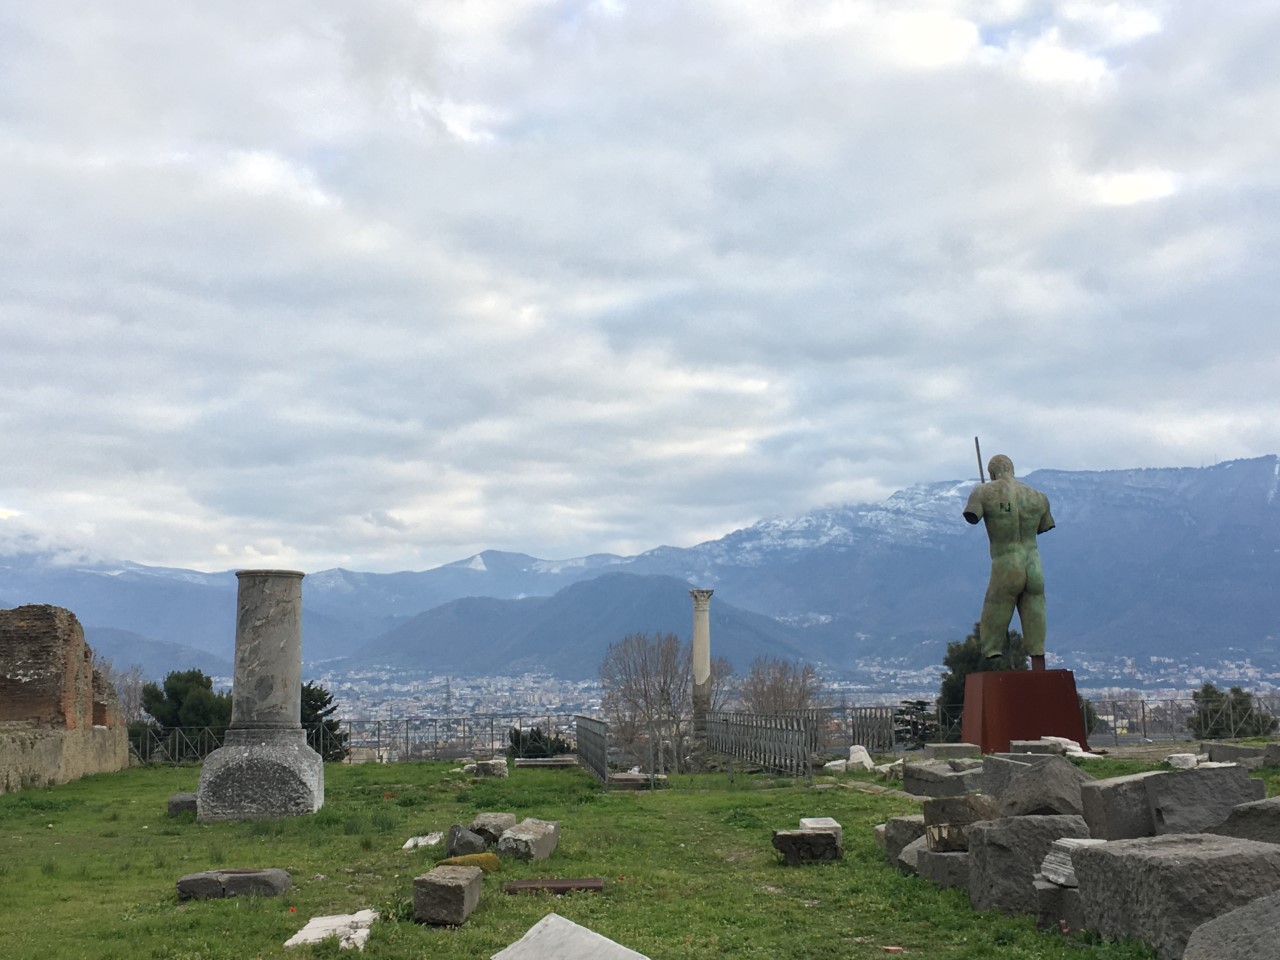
column 836, row 766
column 1191, row 801
column 205, row 885
column 1271, row 755
column 350, row 929
column 1067, row 744
column 427, row 840
column 491, row 826
column 909, row 857
column 216, row 884
column 1233, row 752
column 270, row 882
column 181, row 803
column 1159, row 889
column 1047, row 788
column 934, row 778
column 891, row 771
column 497, row 767
column 947, row 820
column 1255, row 820
column 1043, row 746
column 554, row 936
column 447, row 895
column 807, row 846
column 951, row 751
column 1057, row 907
column 946, row 869
column 965, row 763
column 860, row 759
column 530, row 839
column 1250, row 932
column 900, row 831
column 462, row 841
column 1117, row 808
column 878, row 835
column 1005, row 856
column 1057, row 867
column 488, row 862
column 830, row 824
column 1181, row 761
column 998, row 770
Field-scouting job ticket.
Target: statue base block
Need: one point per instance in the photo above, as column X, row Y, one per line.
column 1004, row 705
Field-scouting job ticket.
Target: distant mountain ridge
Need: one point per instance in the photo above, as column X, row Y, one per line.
column 1166, row 561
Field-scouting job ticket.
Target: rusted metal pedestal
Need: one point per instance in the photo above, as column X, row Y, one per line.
column 1005, row 705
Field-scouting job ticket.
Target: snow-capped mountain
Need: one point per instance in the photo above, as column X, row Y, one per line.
column 1148, row 562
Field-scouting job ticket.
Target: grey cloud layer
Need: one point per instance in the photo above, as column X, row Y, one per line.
column 311, row 285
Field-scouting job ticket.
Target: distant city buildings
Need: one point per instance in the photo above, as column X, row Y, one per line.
column 374, row 693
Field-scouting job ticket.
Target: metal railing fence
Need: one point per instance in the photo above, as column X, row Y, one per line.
column 379, row 741
column 593, row 746
column 774, row 741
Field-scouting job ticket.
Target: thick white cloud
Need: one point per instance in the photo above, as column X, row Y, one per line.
column 382, row 285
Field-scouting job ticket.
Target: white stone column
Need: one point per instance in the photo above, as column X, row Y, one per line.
column 701, row 660
column 264, row 767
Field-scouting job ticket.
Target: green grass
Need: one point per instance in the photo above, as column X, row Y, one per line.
column 87, row 870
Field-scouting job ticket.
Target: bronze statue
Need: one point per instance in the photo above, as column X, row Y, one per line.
column 1014, row 514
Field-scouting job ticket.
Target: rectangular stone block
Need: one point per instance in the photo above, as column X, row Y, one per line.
column 934, row 778
column 1190, row 801
column 1058, row 907
column 1159, row 889
column 1271, row 756
column 900, row 831
column 1255, row 820
column 1231, row 752
column 1005, row 857
column 947, row 869
column 1117, row 808
column 999, row 769
column 807, row 846
column 447, row 895
column 830, row 824
column 1045, row 747
column 951, row 751
column 530, row 839
column 947, row 820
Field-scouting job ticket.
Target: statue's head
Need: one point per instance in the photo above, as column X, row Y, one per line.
column 1000, row 467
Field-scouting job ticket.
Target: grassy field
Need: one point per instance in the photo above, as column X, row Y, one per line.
column 87, row 870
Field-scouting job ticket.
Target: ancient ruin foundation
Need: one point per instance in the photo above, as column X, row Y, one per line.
column 59, row 719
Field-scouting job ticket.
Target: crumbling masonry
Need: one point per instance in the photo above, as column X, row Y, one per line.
column 59, row 719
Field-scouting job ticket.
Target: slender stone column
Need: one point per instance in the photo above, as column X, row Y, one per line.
column 266, row 694
column 264, row 767
column 701, row 661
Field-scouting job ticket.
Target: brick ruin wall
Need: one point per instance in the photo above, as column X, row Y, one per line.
column 59, row 719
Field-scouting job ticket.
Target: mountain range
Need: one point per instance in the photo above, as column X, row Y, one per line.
column 1176, row 562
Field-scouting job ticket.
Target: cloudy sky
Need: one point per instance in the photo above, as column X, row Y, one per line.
column 379, row 285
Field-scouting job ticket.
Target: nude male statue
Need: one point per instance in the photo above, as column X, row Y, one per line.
column 1015, row 514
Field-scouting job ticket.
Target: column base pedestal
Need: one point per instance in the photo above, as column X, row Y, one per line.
column 1004, row 705
column 260, row 775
